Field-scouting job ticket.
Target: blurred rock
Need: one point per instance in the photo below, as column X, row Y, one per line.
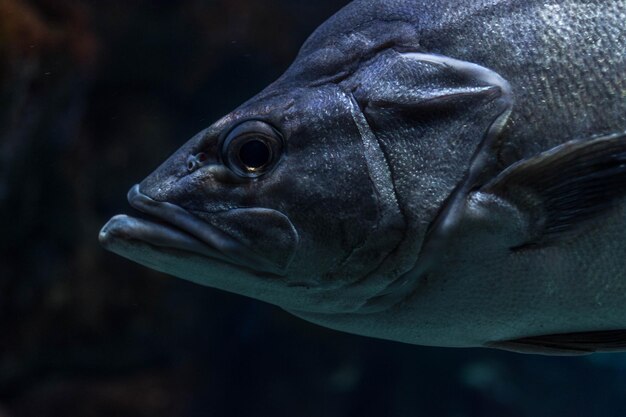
column 149, row 395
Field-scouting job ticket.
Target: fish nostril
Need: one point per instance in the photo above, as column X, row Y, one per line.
column 196, row 161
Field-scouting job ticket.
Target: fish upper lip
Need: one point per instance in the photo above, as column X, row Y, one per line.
column 217, row 243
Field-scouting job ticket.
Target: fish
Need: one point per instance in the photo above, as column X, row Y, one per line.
column 445, row 173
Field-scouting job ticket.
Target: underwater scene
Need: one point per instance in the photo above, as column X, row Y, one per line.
column 417, row 213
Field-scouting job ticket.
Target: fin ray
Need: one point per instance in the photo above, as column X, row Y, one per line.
column 567, row 185
column 579, row 343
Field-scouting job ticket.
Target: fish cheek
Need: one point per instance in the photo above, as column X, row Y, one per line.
column 324, row 187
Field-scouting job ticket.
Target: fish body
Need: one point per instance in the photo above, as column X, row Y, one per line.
column 445, row 173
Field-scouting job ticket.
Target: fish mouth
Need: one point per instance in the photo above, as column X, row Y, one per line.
column 171, row 227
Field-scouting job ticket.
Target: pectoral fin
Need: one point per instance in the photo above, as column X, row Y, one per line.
column 561, row 189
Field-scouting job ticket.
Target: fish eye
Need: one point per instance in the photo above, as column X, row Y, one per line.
column 252, row 148
column 255, row 154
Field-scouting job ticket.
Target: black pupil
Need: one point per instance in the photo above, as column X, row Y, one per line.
column 254, row 154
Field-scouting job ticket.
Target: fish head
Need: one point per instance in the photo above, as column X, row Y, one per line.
column 276, row 201
column 317, row 194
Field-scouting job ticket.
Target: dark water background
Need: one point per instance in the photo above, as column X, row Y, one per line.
column 93, row 96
